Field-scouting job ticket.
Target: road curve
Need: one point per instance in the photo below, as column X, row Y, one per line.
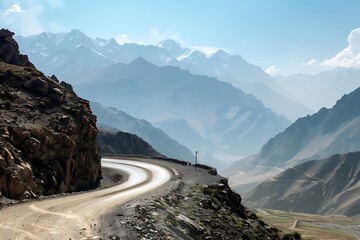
column 71, row 217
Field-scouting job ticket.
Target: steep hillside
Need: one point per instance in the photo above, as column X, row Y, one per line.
column 68, row 54
column 213, row 111
column 124, row 143
column 113, row 119
column 329, row 186
column 47, row 133
column 329, row 131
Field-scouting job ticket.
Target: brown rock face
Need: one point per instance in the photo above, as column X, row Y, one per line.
column 47, row 135
column 124, row 143
column 9, row 50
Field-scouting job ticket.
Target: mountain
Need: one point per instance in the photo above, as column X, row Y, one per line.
column 48, row 134
column 329, row 186
column 174, row 48
column 124, row 143
column 329, row 131
column 212, row 111
column 243, row 75
column 68, row 54
column 65, row 54
column 115, row 120
column 323, row 89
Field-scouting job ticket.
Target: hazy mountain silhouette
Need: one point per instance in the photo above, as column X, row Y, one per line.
column 329, row 131
column 329, row 186
column 323, row 89
column 112, row 119
column 213, row 112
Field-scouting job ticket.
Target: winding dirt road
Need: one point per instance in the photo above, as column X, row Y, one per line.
column 71, row 217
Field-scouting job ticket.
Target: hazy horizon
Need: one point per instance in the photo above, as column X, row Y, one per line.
column 279, row 36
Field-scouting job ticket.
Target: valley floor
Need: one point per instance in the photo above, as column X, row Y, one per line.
column 312, row 226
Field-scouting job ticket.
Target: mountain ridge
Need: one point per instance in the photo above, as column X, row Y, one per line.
column 213, row 110
column 327, row 186
column 327, row 132
column 226, row 67
column 114, row 120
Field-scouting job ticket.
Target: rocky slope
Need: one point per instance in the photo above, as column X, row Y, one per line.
column 114, row 143
column 47, row 133
column 329, row 186
column 328, row 132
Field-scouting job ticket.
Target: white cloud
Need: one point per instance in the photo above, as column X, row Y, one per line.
column 312, row 62
column 272, row 70
column 354, row 41
column 23, row 18
column 15, row 8
column 123, row 38
column 350, row 56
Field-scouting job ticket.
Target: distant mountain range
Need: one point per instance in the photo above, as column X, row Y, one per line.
column 115, row 120
column 201, row 112
column 323, row 89
column 66, row 54
column 328, row 132
column 329, row 186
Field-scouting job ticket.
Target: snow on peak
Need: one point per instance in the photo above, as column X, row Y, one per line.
column 221, row 53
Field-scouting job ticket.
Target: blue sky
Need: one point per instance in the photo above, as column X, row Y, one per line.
column 282, row 36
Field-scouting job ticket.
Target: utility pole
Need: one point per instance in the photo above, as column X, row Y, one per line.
column 196, row 152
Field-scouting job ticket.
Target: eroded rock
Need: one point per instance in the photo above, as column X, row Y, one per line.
column 9, row 50
column 47, row 133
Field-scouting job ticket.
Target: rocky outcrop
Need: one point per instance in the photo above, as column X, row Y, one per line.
column 124, row 143
column 47, row 133
column 9, row 50
column 199, row 212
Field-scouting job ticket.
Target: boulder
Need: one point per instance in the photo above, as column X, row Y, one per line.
column 9, row 50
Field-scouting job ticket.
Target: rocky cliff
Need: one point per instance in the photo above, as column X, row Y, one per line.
column 9, row 50
column 124, row 143
column 47, row 133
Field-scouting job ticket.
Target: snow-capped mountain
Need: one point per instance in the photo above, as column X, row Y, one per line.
column 59, row 54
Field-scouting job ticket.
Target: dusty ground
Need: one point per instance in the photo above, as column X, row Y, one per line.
column 117, row 223
column 111, row 177
column 312, row 226
column 192, row 205
column 77, row 216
